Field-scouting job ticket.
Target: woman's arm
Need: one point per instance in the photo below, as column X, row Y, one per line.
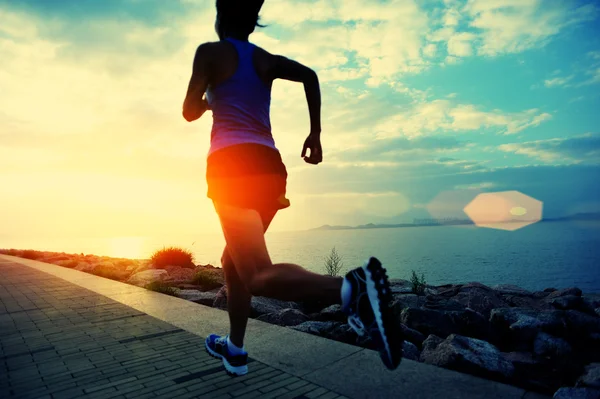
column 194, row 105
column 284, row 68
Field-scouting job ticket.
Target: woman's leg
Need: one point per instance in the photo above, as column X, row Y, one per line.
column 244, row 234
column 238, row 297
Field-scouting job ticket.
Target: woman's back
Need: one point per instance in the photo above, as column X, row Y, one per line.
column 239, row 94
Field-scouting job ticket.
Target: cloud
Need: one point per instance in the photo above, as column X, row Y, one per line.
column 510, row 26
column 558, row 81
column 579, row 149
column 440, row 116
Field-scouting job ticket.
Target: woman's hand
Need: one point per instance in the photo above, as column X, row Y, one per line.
column 313, row 143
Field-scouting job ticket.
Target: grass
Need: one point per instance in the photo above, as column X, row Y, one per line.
column 333, row 263
column 206, row 279
column 172, row 256
column 161, row 287
column 418, row 284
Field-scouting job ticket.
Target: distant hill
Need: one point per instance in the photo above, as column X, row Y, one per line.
column 588, row 216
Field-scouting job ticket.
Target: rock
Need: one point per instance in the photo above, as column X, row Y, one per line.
column 449, row 290
column 147, row 276
column 540, row 294
column 178, row 274
column 428, row 321
column 441, row 303
column 566, row 302
column 566, row 291
column 221, row 298
column 532, row 373
column 398, row 286
column 469, row 355
column 412, row 336
column 320, row 328
column 548, row 346
column 549, row 290
column 432, row 342
column 84, row 267
column 66, row 263
column 403, row 301
column 410, row 351
column 480, row 298
column 581, row 324
column 577, row 393
column 510, row 289
column 532, row 302
column 332, row 313
column 521, row 325
column 597, row 310
column 471, row 324
column 285, row 317
column 203, row 298
column 591, row 377
column 262, row 305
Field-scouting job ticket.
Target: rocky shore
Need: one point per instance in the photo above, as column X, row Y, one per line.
column 546, row 341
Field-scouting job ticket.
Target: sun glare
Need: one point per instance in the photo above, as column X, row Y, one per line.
column 126, row 247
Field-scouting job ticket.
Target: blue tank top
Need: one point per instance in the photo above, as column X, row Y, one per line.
column 240, row 105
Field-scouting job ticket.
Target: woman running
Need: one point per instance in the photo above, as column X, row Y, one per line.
column 247, row 183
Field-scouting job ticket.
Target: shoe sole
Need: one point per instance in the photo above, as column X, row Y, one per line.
column 234, row 371
column 380, row 295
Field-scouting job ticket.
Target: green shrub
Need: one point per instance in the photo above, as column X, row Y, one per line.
column 161, row 287
column 418, row 284
column 172, row 256
column 333, row 263
column 208, row 280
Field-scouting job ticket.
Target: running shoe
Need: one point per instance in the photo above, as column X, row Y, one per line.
column 235, row 365
column 369, row 312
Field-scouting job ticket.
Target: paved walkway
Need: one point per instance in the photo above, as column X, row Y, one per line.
column 67, row 334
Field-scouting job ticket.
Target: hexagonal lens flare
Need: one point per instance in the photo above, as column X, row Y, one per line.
column 506, row 210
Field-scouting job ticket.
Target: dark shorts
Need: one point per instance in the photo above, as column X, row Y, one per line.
column 250, row 176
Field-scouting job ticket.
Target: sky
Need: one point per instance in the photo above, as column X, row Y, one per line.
column 426, row 104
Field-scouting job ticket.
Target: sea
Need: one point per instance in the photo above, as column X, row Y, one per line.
column 535, row 257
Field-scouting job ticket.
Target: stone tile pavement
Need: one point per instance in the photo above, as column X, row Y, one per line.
column 60, row 340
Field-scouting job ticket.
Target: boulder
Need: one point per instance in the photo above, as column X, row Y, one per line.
column 177, row 274
column 565, row 291
column 67, row 263
column 449, row 290
column 259, row 305
column 399, row 286
column 581, row 325
column 509, row 289
column 591, row 377
column 480, row 298
column 84, row 267
column 410, row 351
column 147, row 276
column 221, row 298
column 546, row 345
column 263, row 305
column 519, row 301
column 320, row 328
column 412, row 336
column 521, row 325
column 285, row 317
column 533, row 373
column 331, row 313
column 469, row 355
column 432, row 342
column 203, row 298
column 566, row 302
column 403, row 301
column 428, row 321
column 577, row 393
column 444, row 323
column 438, row 302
